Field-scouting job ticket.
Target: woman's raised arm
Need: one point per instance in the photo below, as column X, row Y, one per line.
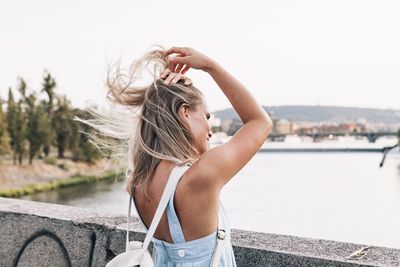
column 218, row 165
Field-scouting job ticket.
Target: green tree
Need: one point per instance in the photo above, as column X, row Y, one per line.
column 16, row 125
column 48, row 86
column 16, row 122
column 4, row 143
column 62, row 125
column 22, row 87
column 21, row 122
column 36, row 127
column 11, row 123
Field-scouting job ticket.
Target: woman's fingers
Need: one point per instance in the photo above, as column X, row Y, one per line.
column 174, row 77
column 179, row 56
column 187, row 80
column 170, row 65
column 185, row 69
column 177, row 78
column 169, row 78
column 179, row 59
column 182, row 68
column 165, row 73
column 178, row 68
column 178, row 50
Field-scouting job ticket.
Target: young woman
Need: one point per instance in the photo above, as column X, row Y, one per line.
column 172, row 132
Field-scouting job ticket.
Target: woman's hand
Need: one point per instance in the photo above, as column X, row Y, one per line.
column 187, row 58
column 173, row 77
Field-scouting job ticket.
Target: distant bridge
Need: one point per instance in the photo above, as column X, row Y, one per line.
column 372, row 136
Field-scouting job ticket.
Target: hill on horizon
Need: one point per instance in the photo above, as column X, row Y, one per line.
column 322, row 114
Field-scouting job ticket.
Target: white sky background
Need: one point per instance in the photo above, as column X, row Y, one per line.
column 344, row 53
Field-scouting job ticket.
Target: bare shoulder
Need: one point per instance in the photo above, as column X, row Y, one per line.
column 218, row 165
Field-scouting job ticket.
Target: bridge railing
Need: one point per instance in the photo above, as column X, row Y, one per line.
column 41, row 234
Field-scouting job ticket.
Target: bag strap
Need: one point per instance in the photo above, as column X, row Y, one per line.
column 220, row 243
column 127, row 227
column 173, row 180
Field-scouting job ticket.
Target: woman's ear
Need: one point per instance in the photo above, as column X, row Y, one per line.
column 184, row 111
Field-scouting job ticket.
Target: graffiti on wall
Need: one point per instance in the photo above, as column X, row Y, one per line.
column 65, row 257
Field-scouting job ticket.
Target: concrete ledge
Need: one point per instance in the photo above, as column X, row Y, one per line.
column 41, row 234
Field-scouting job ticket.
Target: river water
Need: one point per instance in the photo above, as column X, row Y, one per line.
column 337, row 196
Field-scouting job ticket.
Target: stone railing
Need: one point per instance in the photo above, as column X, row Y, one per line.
column 41, row 234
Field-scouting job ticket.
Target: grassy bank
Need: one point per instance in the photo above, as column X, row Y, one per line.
column 56, row 184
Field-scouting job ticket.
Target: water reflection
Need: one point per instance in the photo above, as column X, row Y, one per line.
column 105, row 196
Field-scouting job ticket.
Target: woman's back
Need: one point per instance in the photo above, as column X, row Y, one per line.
column 171, row 247
column 197, row 212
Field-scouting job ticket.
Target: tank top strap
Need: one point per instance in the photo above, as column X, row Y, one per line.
column 173, row 222
column 224, row 220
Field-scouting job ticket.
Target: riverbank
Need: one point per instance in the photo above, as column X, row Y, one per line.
column 52, row 185
column 19, row 180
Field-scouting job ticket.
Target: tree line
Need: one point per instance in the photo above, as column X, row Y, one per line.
column 30, row 126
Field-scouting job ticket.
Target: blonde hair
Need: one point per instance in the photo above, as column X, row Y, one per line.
column 143, row 125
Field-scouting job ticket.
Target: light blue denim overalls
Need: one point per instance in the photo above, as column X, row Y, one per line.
column 196, row 252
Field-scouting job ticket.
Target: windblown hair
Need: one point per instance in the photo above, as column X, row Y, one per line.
column 143, row 125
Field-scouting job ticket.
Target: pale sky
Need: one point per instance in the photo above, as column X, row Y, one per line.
column 344, row 53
